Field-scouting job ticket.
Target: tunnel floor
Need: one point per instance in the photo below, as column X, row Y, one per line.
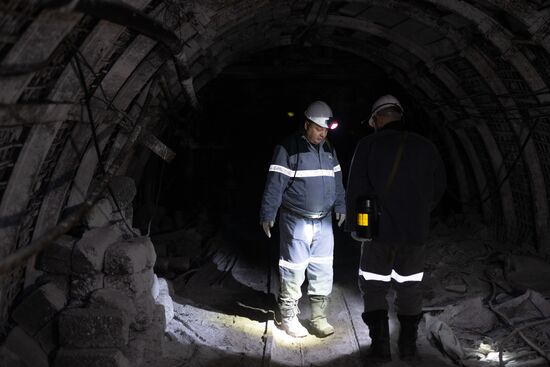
column 223, row 310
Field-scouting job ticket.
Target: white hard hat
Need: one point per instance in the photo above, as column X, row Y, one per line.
column 320, row 113
column 384, row 102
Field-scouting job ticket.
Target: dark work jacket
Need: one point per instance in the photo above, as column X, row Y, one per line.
column 303, row 178
column 418, row 185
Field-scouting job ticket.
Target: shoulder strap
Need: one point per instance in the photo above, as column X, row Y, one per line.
column 396, row 162
column 291, row 181
column 329, row 145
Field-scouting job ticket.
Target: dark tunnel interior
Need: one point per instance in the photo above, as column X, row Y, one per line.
column 135, row 143
column 249, row 108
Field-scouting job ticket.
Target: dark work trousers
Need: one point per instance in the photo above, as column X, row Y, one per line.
column 386, row 264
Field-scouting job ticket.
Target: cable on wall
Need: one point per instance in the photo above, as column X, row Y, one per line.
column 78, row 70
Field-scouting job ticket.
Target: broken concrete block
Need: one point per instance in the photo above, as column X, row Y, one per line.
column 90, row 357
column 124, row 220
column 117, row 300
column 62, row 281
column 153, row 336
column 100, row 214
column 165, row 299
column 129, row 257
column 129, row 214
column 93, row 328
column 113, row 299
column 39, row 307
column 132, row 285
column 89, row 251
column 84, row 284
column 158, row 325
column 164, row 286
column 145, row 305
column 124, row 190
column 155, row 288
column 134, row 351
column 26, row 348
column 47, row 337
column 56, row 258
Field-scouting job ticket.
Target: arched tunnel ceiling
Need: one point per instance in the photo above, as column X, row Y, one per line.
column 478, row 69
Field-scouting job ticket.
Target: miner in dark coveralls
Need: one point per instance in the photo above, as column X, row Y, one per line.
column 404, row 174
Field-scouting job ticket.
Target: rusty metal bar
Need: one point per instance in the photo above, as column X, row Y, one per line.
column 123, row 14
column 156, row 146
column 185, row 79
column 22, row 255
column 127, row 16
column 141, row 22
column 18, row 258
column 13, row 115
column 21, row 69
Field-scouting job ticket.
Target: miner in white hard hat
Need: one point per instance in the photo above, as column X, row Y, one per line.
column 396, row 177
column 304, row 187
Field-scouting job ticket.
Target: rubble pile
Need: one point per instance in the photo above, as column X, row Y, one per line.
column 487, row 304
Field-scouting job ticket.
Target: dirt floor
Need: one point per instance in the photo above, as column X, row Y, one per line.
column 474, row 297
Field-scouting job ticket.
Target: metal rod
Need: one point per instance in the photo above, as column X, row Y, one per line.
column 123, row 14
column 18, row 258
column 127, row 16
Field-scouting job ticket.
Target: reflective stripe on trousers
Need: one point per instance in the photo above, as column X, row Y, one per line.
column 306, row 248
column 394, row 275
column 385, row 264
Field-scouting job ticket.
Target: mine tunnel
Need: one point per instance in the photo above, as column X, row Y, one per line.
column 135, row 142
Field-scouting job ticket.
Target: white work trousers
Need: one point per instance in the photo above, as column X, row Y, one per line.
column 306, row 248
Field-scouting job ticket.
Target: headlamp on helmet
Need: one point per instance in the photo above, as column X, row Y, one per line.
column 320, row 113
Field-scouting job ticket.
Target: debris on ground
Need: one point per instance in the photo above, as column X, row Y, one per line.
column 487, row 305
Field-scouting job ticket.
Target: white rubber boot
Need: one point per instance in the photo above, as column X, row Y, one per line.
column 292, row 326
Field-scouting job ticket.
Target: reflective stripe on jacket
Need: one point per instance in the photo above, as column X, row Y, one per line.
column 304, row 179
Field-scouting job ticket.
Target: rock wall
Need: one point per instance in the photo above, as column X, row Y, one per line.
column 98, row 301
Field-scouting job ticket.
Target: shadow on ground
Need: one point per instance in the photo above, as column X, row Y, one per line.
column 215, row 290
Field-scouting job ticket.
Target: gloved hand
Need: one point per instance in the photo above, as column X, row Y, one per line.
column 266, row 226
column 357, row 238
column 340, row 217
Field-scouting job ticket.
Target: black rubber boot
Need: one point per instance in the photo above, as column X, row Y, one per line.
column 407, row 336
column 379, row 332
